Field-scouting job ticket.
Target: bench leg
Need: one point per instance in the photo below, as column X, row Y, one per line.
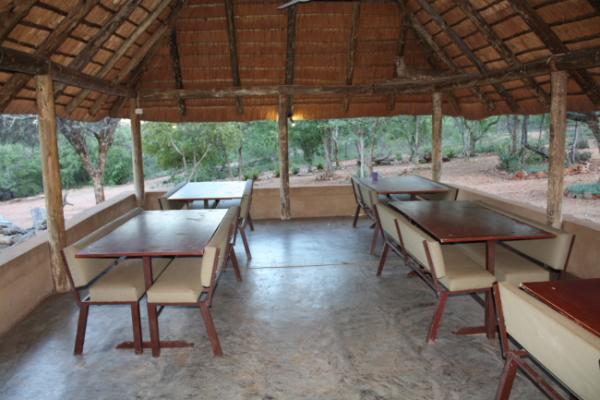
column 437, row 318
column 356, row 216
column 250, row 222
column 154, row 333
column 375, row 237
column 137, row 328
column 235, row 264
column 490, row 315
column 245, row 241
column 81, row 325
column 383, row 258
column 507, row 378
column 210, row 329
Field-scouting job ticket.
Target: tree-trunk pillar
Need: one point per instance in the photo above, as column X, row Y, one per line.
column 138, row 158
column 284, row 168
column 51, row 178
column 556, row 162
column 436, row 138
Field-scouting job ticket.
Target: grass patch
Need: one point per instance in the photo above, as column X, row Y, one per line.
column 582, row 188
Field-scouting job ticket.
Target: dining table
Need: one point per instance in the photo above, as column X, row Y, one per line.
column 209, row 191
column 170, row 233
column 452, row 222
column 577, row 299
column 412, row 185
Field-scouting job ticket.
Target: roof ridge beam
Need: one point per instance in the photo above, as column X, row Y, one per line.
column 290, row 52
column 176, row 64
column 233, row 53
column 352, row 50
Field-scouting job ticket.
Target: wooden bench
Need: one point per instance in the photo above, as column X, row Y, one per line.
column 166, row 204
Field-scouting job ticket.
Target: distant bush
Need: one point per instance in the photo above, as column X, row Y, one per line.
column 535, row 168
column 582, row 144
column 277, row 173
column 451, row 154
column 582, row 188
column 20, row 170
column 118, row 166
column 295, row 171
column 583, row 156
column 320, row 166
column 509, row 162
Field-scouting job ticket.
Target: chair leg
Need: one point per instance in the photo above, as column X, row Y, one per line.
column 137, row 328
column 245, row 241
column 507, row 379
column 250, row 222
column 210, row 329
column 154, row 334
column 437, row 318
column 490, row 315
column 81, row 325
column 235, row 264
column 382, row 259
column 375, row 237
column 356, row 216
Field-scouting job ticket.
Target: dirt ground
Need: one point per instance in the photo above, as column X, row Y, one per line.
column 479, row 173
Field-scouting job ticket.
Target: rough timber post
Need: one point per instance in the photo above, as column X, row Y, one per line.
column 284, row 168
column 436, row 138
column 51, row 177
column 138, row 159
column 558, row 127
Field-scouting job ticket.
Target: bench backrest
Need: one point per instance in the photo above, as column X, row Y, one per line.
column 84, row 270
column 387, row 220
column 356, row 191
column 166, row 204
column 568, row 351
column 246, row 201
column 368, row 195
column 414, row 240
column 221, row 240
column 449, row 195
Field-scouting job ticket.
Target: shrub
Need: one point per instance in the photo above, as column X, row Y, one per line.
column 255, row 175
column 277, row 173
column 532, row 169
column 295, row 171
column 320, row 166
column 451, row 154
column 509, row 162
column 582, row 156
column 582, row 144
column 581, row 188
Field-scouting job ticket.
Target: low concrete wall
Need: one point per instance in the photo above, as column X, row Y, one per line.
column 25, row 278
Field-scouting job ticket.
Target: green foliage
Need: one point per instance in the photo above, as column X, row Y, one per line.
column 308, row 137
column 320, row 166
column 509, row 162
column 71, row 169
column 582, row 144
column 118, row 166
column 295, row 171
column 582, row 188
column 20, row 170
column 451, row 153
column 535, row 168
column 583, row 156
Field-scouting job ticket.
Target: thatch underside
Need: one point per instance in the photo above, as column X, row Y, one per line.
column 319, row 43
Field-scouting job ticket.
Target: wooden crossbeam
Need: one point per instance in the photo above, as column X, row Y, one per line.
column 352, row 50
column 108, row 66
column 587, row 58
column 426, row 37
column 404, row 24
column 138, row 58
column 52, row 42
column 455, row 37
column 290, row 53
column 29, row 65
column 583, row 78
column 176, row 65
column 503, row 50
column 11, row 18
column 233, row 53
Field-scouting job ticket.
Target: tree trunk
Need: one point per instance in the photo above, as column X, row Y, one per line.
column 574, row 144
column 558, row 115
column 361, row 153
column 336, row 147
column 98, row 187
column 328, row 150
column 436, row 137
column 524, row 137
column 241, row 161
column 592, row 122
column 513, row 123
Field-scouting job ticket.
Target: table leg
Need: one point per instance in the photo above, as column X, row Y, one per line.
column 216, row 203
column 490, row 315
column 205, row 203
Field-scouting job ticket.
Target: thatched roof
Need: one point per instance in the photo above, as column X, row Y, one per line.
column 213, row 50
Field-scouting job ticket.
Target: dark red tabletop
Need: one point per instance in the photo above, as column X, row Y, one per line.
column 158, row 233
column 406, row 184
column 577, row 299
column 210, row 191
column 466, row 221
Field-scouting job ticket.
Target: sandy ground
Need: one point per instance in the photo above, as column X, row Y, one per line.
column 478, row 173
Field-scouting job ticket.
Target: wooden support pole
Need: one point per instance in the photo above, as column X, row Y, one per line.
column 138, row 159
column 436, row 137
column 558, row 128
column 51, row 178
column 284, row 167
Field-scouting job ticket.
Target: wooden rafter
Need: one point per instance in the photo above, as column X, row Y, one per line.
column 10, row 19
column 108, row 66
column 426, row 38
column 352, row 50
column 52, row 42
column 503, row 50
column 290, row 53
column 596, row 5
column 30, row 65
column 148, row 45
column 233, row 53
column 455, row 37
column 176, row 64
column 588, row 58
column 583, row 78
column 404, row 24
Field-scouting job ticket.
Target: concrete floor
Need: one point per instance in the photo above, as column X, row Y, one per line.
column 310, row 321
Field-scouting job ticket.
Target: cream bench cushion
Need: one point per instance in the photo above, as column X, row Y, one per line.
column 83, row 270
column 509, row 266
column 567, row 350
column 462, row 272
column 125, row 282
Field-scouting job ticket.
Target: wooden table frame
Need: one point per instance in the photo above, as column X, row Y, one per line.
column 185, row 238
column 412, row 185
column 443, row 221
column 209, row 191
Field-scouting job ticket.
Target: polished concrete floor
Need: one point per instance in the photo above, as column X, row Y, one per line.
column 310, row 321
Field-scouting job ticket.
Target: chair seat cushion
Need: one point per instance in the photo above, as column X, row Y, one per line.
column 462, row 272
column 180, row 283
column 125, row 282
column 509, row 265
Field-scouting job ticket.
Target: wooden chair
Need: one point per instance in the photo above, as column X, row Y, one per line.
column 245, row 218
column 360, row 205
column 166, row 204
column 369, row 200
column 102, row 281
column 567, row 351
column 191, row 281
column 446, row 269
column 390, row 232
